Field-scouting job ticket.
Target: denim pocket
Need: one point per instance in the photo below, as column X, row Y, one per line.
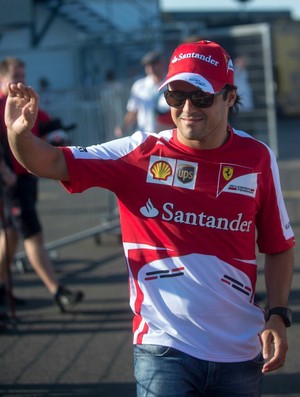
column 153, row 350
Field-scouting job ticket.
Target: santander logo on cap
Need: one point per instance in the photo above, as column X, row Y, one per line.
column 202, row 57
column 204, row 64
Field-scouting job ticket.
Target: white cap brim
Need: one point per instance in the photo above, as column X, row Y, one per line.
column 192, row 78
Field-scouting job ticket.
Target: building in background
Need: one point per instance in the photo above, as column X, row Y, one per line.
column 75, row 42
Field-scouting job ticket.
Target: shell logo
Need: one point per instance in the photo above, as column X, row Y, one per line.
column 161, row 170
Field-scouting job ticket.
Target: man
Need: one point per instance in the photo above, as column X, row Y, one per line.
column 146, row 107
column 22, row 198
column 193, row 202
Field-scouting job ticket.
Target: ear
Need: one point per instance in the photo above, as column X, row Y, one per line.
column 231, row 98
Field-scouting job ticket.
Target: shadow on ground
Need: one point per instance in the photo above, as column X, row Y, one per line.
column 66, row 390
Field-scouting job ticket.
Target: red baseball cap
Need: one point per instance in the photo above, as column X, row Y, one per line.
column 204, row 64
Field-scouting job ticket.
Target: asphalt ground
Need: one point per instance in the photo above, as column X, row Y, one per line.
column 89, row 352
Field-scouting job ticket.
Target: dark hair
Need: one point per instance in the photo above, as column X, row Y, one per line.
column 234, row 109
column 10, row 61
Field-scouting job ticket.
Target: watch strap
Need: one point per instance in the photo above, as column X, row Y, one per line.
column 284, row 312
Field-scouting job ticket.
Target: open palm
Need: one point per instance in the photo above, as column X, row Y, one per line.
column 21, row 108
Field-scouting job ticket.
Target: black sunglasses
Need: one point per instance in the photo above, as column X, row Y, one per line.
column 200, row 99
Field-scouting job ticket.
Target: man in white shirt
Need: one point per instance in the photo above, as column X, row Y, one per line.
column 147, row 109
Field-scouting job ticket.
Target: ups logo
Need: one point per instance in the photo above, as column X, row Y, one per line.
column 185, row 173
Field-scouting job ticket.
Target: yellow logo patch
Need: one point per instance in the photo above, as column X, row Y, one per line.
column 161, row 170
column 227, row 172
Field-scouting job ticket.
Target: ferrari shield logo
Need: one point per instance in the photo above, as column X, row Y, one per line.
column 227, row 173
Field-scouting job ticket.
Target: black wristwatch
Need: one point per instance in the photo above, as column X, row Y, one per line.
column 284, row 312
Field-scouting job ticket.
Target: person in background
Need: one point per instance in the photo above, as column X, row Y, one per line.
column 243, row 83
column 7, row 181
column 21, row 200
column 147, row 109
column 195, row 202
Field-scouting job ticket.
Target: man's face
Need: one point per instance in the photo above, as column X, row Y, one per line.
column 15, row 74
column 202, row 128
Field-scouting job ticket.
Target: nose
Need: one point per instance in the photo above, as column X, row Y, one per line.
column 188, row 105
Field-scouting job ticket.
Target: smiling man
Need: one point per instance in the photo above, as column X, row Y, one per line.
column 195, row 202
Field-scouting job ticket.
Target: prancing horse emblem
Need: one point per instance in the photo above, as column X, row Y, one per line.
column 227, row 173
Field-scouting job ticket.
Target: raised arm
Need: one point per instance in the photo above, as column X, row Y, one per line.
column 33, row 153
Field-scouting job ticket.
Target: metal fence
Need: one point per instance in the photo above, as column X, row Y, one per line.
column 94, row 110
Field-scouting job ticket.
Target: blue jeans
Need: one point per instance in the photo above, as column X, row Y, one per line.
column 166, row 372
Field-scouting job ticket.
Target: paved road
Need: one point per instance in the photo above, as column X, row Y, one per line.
column 88, row 353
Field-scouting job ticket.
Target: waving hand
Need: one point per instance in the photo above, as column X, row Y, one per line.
column 21, row 108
